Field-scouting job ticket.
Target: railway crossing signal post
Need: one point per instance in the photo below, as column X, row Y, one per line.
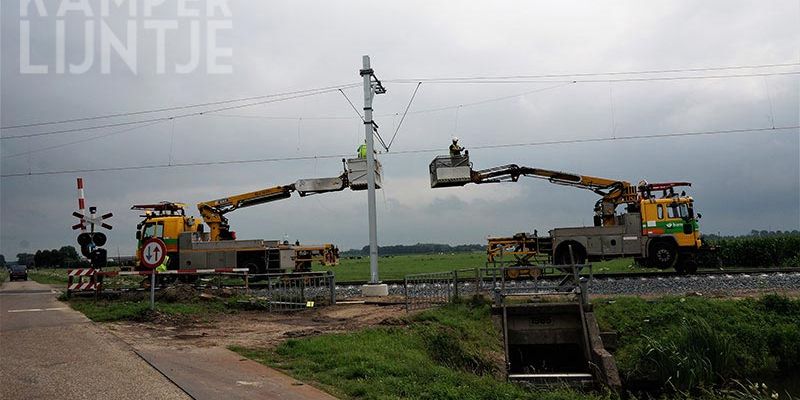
column 372, row 86
column 91, row 242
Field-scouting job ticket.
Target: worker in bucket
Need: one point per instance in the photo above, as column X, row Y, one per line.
column 455, row 149
column 362, row 150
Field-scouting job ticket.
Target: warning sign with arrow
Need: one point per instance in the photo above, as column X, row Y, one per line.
column 153, row 252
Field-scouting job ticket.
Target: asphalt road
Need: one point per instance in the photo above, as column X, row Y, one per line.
column 49, row 351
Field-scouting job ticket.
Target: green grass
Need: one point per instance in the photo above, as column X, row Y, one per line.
column 694, row 342
column 455, row 353
column 106, row 311
column 48, row 276
column 450, row 353
column 397, row 267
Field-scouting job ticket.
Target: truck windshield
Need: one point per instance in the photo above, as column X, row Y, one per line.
column 680, row 211
column 153, row 230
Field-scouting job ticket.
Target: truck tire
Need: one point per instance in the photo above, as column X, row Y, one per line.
column 686, row 265
column 255, row 265
column 663, row 255
column 562, row 255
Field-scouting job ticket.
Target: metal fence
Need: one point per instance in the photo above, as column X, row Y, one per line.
column 571, row 279
column 294, row 291
column 428, row 290
column 438, row 288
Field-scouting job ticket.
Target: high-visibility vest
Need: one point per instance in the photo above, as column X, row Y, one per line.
column 163, row 266
column 362, row 151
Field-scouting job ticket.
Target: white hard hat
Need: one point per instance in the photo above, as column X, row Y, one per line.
column 455, row 139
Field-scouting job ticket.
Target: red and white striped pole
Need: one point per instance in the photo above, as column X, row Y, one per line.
column 81, row 204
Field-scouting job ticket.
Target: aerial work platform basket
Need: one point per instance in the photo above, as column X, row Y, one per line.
column 449, row 171
column 357, row 173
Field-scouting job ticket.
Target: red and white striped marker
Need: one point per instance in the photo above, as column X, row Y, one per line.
column 175, row 272
column 81, row 207
column 92, row 219
column 81, row 272
column 81, row 286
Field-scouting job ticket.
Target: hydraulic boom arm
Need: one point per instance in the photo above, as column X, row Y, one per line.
column 213, row 212
column 613, row 192
column 456, row 170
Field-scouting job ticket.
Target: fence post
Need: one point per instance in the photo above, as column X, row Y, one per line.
column 247, row 282
column 449, row 288
column 478, row 286
column 332, row 281
column 269, row 293
column 405, row 291
column 455, row 284
column 303, row 290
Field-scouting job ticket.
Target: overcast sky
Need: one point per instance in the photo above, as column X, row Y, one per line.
column 741, row 181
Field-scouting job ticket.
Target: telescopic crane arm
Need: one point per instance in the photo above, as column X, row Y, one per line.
column 456, row 170
column 213, row 212
column 613, row 192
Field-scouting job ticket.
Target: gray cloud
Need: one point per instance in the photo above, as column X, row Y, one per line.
column 741, row 181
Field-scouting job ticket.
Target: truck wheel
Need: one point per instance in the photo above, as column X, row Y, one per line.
column 663, row 255
column 254, row 265
column 641, row 261
column 686, row 266
column 562, row 256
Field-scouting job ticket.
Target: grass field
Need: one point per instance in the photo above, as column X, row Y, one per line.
column 666, row 349
column 48, row 276
column 396, row 267
column 105, row 311
column 449, row 353
column 391, row 267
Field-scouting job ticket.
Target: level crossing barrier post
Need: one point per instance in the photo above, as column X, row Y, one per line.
column 153, row 290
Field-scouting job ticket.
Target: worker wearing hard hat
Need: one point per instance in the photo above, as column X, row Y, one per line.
column 455, row 149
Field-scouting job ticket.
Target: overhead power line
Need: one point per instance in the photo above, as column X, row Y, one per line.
column 105, row 135
column 403, row 118
column 416, row 151
column 647, row 79
column 174, row 117
column 612, row 73
column 174, row 108
column 429, row 110
column 437, row 109
column 414, row 80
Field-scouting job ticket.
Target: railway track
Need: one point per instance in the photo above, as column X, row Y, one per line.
column 603, row 283
column 623, row 275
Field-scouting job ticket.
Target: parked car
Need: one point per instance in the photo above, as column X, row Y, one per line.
column 18, row 272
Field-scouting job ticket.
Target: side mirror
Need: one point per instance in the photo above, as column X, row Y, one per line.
column 138, row 235
column 699, row 215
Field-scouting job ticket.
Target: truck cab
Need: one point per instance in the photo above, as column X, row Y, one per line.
column 673, row 217
column 167, row 228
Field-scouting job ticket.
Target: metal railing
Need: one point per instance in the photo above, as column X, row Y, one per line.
column 428, row 289
column 438, row 288
column 576, row 279
column 294, row 291
column 271, row 292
